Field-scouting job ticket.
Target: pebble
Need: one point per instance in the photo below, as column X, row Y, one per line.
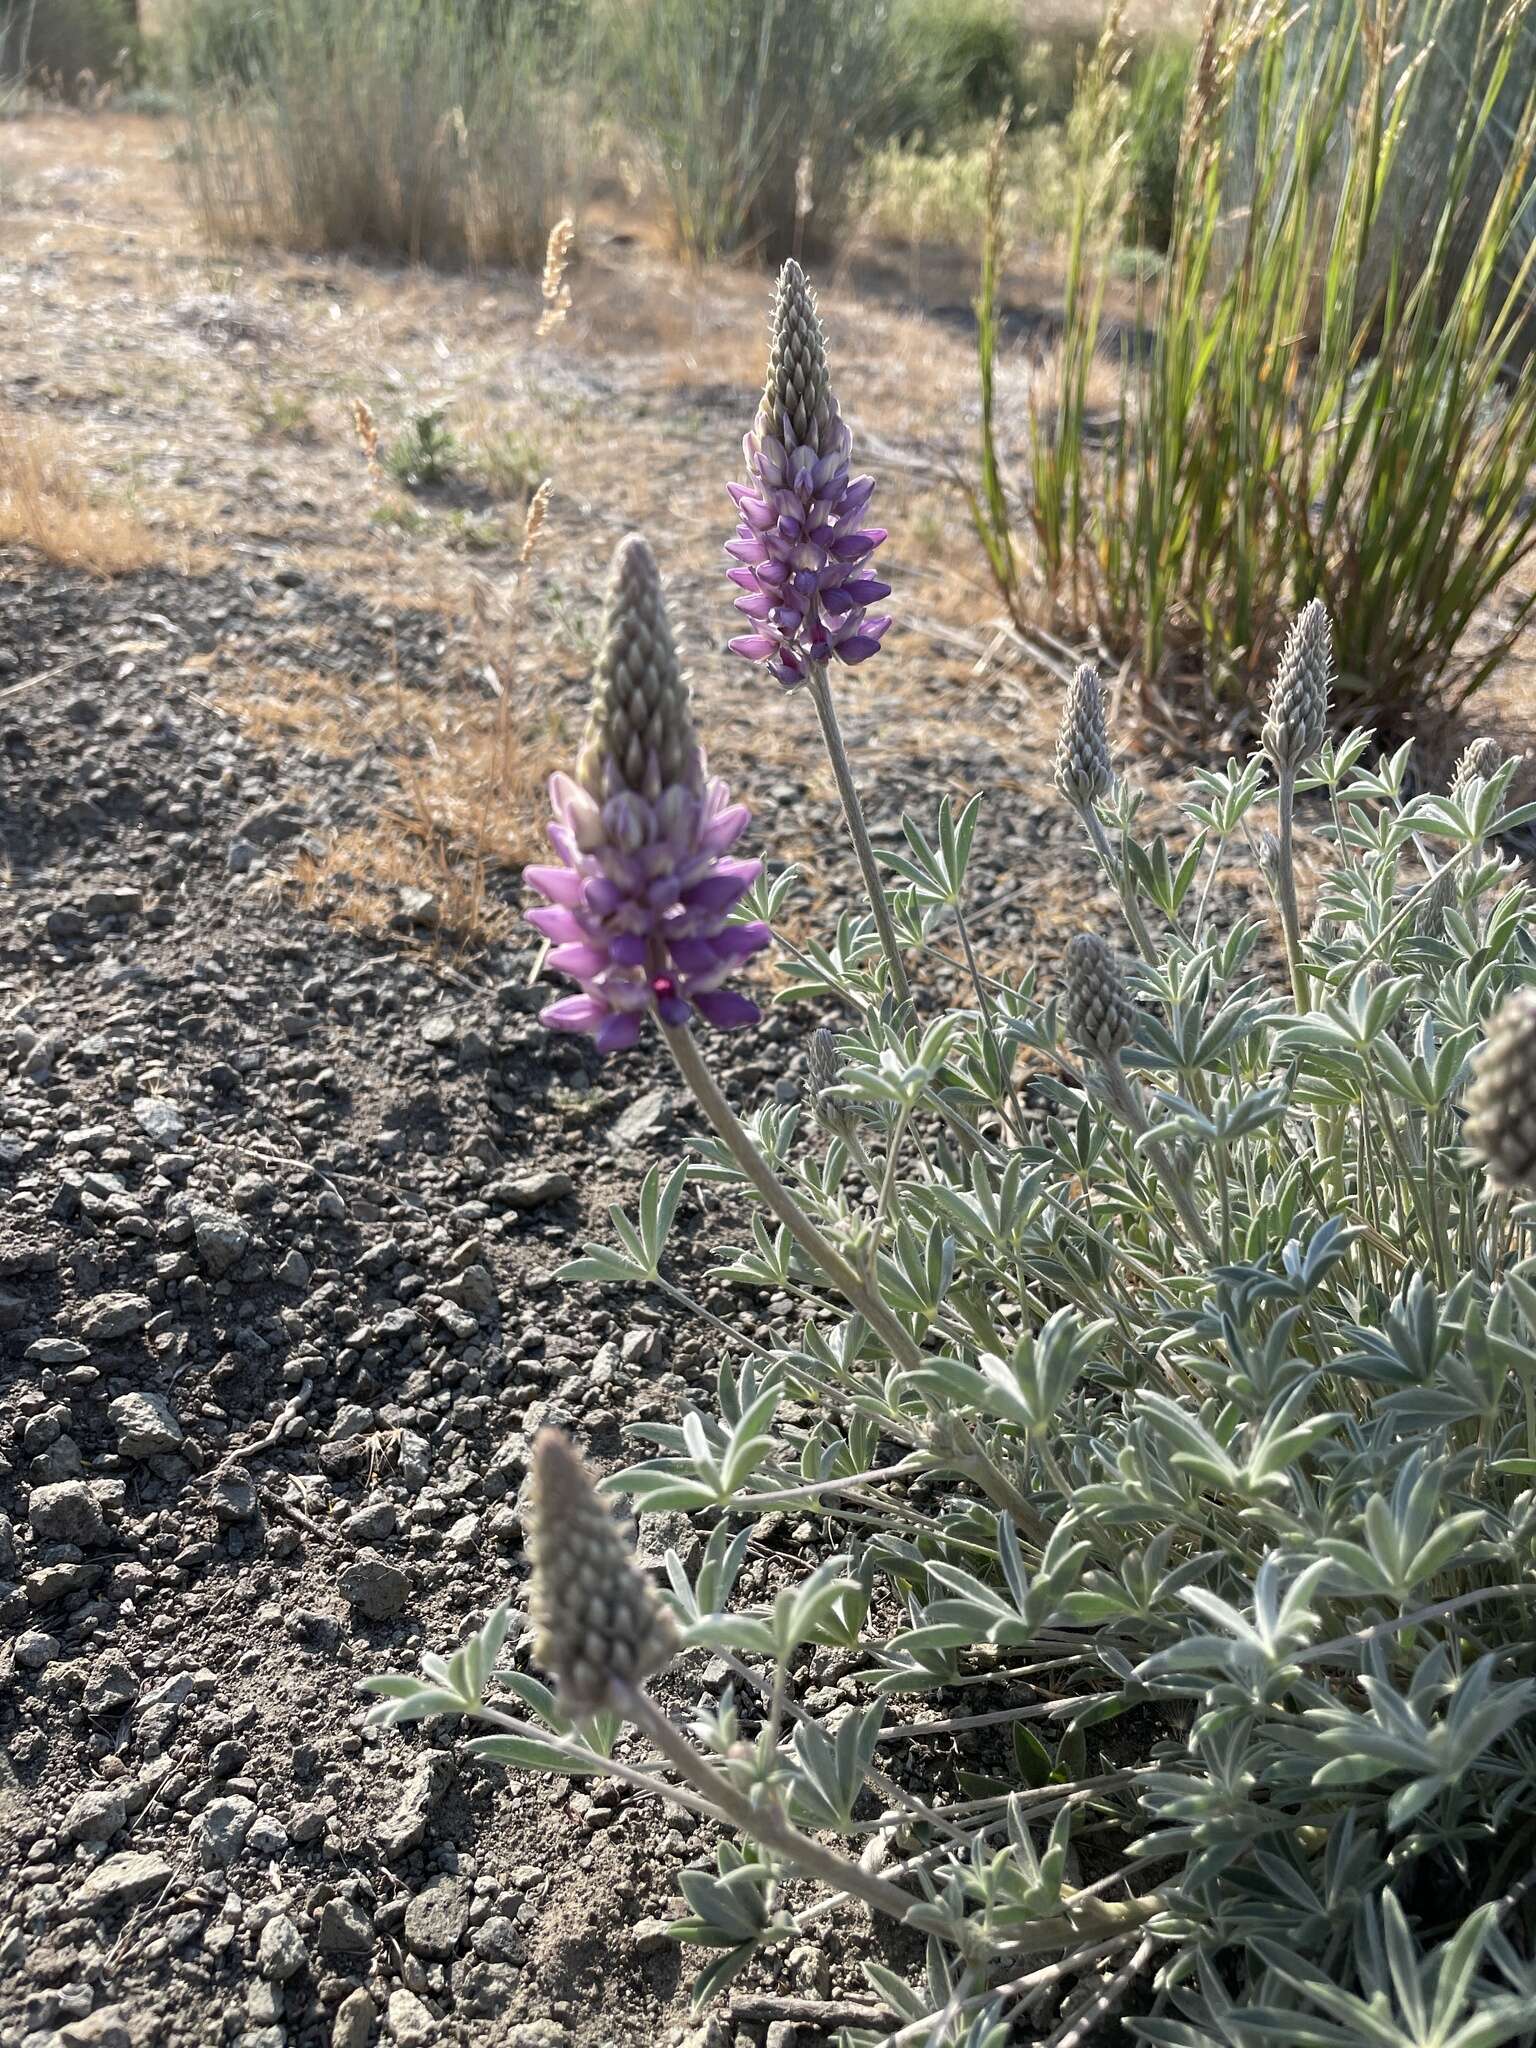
column 125, row 1879
column 344, row 1928
column 145, row 1424
column 436, row 1920
column 222, row 1828
column 67, row 1513
column 354, row 2020
column 410, row 2022
column 374, row 1586
column 111, row 1316
column 280, row 1953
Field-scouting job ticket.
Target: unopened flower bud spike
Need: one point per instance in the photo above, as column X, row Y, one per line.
column 1084, row 776
column 1293, row 732
column 1101, row 1021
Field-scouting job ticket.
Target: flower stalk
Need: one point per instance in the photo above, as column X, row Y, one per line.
column 858, row 832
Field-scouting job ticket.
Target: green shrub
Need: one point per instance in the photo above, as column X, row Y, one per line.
column 65, row 41
column 385, row 125
column 1317, row 415
column 755, row 113
column 959, row 62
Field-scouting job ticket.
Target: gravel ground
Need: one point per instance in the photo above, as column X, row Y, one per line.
column 281, row 1209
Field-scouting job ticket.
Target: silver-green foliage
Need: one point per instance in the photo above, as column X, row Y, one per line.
column 1201, row 1485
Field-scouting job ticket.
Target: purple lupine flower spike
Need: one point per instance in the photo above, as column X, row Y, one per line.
column 801, row 554
column 638, row 907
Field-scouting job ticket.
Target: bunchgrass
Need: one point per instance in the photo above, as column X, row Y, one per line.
column 438, row 135
column 1314, row 415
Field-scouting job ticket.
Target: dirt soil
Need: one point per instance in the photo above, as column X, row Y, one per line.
column 284, row 1188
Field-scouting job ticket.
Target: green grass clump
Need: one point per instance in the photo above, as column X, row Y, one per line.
column 1327, row 407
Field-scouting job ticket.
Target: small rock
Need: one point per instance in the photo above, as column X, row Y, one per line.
column 35, row 1649
column 292, row 1270
column 271, row 824
column 407, row 1826
column 374, row 1586
column 110, row 1316
column 435, row 1921
column 222, row 1239
column 95, row 1816
column 537, row 2034
column 344, row 1929
column 123, row 1880
column 110, row 2026
column 280, row 1953
column 67, row 1513
column 159, row 1120
column 222, row 1829
column 145, row 1425
column 410, row 2022
column 354, row 2020
column 439, row 1028
column 232, row 1494
column 533, row 1190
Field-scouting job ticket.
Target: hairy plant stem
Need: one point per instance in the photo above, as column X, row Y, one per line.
column 965, row 1454
column 1115, row 870
column 1128, row 1101
column 766, row 1823
column 858, row 831
column 818, row 1249
column 1285, row 892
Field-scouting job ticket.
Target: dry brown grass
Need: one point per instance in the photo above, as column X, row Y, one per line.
column 463, row 774
column 47, row 502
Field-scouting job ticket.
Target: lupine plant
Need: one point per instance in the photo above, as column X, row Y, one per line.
column 1163, row 1405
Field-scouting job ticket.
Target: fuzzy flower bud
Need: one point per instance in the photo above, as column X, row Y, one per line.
column 1479, row 763
column 638, row 910
column 1083, row 771
column 1298, row 703
column 800, row 555
column 1101, row 1017
column 1501, row 1102
column 1267, row 853
column 597, row 1619
column 826, row 1071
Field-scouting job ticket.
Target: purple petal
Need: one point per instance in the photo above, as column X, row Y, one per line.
column 619, row 1031
column 726, row 1009
column 866, row 589
column 555, row 924
column 580, row 962
column 628, row 949
column 574, row 1013
column 755, row 646
column 560, row 885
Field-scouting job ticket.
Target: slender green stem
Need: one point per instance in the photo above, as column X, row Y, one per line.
column 817, row 1248
column 1285, row 892
column 765, row 1824
column 1116, row 873
column 1128, row 1102
column 858, row 831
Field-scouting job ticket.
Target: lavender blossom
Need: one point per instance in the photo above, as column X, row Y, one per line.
column 801, row 554
column 638, row 907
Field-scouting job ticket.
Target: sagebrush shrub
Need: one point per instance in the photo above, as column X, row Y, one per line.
column 1161, row 1409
